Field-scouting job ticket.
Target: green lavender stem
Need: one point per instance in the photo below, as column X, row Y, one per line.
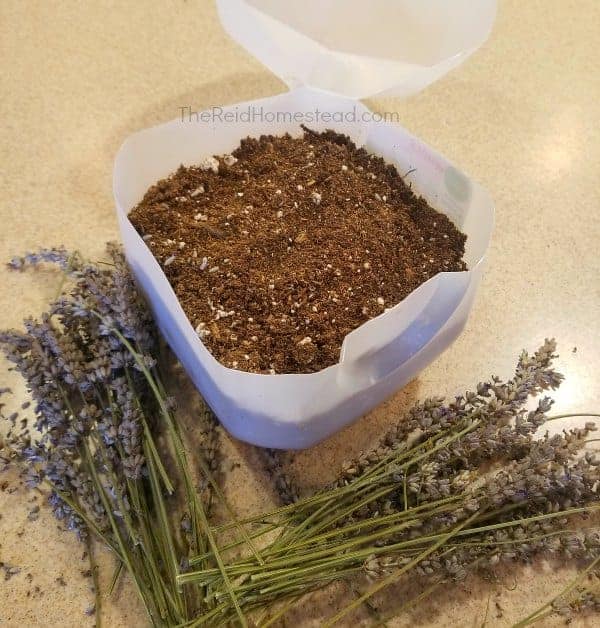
column 385, row 582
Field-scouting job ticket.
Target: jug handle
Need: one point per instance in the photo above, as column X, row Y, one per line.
column 385, row 344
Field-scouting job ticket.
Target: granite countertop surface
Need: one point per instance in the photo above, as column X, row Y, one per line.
column 520, row 116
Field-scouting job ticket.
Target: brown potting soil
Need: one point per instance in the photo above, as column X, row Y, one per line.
column 278, row 251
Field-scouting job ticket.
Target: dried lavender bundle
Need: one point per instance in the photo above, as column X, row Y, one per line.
column 98, row 406
column 454, row 488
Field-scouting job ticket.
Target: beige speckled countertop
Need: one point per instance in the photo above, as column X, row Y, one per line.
column 521, row 116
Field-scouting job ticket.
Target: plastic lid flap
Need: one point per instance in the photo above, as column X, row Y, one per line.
column 359, row 49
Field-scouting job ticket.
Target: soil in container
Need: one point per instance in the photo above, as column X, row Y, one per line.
column 279, row 250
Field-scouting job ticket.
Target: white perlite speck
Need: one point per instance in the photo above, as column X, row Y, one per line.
column 223, row 314
column 202, row 217
column 229, row 160
column 169, row 260
column 280, row 214
column 316, row 198
column 204, row 263
column 210, row 163
column 202, row 331
column 305, row 341
column 380, row 300
column 199, row 190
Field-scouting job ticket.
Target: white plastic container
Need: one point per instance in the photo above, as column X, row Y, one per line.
column 322, row 51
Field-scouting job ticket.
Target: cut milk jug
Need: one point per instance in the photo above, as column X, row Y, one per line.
column 330, row 53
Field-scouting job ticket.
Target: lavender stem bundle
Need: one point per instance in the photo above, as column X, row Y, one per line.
column 475, row 487
column 99, row 406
